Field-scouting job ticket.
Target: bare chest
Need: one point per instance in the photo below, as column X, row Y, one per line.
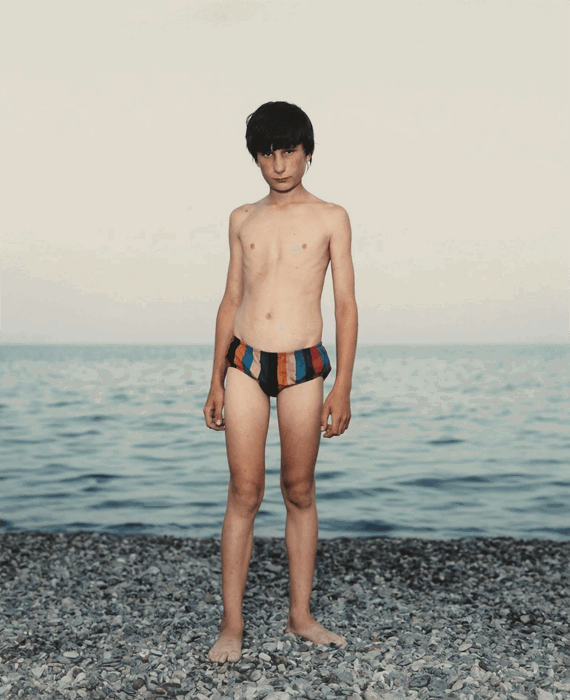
column 289, row 246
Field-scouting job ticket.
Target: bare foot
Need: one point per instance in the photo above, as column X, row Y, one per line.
column 314, row 632
column 228, row 646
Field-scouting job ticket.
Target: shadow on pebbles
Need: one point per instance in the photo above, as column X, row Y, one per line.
column 94, row 616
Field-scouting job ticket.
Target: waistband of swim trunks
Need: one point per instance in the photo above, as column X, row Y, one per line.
column 269, row 352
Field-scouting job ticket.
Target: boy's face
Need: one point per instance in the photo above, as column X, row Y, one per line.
column 283, row 169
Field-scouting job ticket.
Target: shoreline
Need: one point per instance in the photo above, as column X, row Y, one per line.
column 97, row 615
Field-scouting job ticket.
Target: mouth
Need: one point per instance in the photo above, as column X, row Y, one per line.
column 280, row 179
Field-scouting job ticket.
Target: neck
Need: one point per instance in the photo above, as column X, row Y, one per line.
column 283, row 198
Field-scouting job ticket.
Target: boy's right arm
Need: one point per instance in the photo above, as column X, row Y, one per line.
column 231, row 302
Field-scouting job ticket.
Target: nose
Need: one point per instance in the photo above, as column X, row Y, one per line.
column 278, row 163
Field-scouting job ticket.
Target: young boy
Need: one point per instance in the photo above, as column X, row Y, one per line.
column 268, row 341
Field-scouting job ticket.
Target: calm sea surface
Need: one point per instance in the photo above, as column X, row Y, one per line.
column 444, row 442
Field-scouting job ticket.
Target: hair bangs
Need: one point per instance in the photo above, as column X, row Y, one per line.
column 278, row 125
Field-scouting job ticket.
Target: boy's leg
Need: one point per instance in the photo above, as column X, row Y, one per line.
column 299, row 412
column 246, row 417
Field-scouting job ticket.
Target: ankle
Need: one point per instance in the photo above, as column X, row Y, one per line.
column 300, row 617
column 233, row 624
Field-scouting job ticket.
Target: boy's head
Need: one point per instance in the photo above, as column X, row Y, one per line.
column 277, row 125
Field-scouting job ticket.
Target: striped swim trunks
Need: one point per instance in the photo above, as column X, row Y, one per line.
column 275, row 371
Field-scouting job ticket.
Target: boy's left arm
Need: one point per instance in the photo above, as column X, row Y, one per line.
column 337, row 403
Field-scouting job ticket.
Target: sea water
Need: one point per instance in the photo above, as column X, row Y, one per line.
column 444, row 442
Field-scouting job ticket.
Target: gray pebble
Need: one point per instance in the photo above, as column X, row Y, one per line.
column 499, row 610
column 420, row 681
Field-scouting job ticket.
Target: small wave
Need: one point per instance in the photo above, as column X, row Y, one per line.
column 29, row 441
column 443, row 483
column 445, row 441
column 126, row 503
column 328, row 475
column 62, row 404
column 162, row 425
column 80, row 434
column 160, row 460
column 99, row 477
column 356, row 526
column 40, row 496
column 96, row 417
column 56, row 466
column 151, row 445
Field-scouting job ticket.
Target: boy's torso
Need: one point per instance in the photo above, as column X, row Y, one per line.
column 285, row 259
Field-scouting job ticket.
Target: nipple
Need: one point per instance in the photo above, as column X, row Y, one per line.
column 304, row 245
column 268, row 316
column 252, row 245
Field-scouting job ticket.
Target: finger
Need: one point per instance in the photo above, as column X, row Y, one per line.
column 334, row 426
column 215, row 423
column 325, row 417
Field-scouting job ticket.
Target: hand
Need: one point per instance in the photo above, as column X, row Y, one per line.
column 337, row 405
column 213, row 408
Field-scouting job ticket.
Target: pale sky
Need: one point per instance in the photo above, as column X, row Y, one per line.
column 440, row 125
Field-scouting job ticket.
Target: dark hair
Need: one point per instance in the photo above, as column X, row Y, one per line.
column 277, row 125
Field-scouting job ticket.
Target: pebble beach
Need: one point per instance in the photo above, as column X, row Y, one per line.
column 86, row 615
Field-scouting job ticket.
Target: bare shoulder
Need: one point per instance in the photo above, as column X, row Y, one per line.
column 240, row 215
column 335, row 219
column 336, row 212
column 333, row 212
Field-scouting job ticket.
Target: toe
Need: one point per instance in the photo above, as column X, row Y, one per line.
column 216, row 657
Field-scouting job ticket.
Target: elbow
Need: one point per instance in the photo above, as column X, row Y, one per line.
column 346, row 308
column 231, row 303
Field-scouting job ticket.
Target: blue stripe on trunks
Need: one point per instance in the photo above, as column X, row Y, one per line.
column 300, row 367
column 247, row 359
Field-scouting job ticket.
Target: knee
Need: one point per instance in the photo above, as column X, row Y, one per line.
column 246, row 497
column 298, row 494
